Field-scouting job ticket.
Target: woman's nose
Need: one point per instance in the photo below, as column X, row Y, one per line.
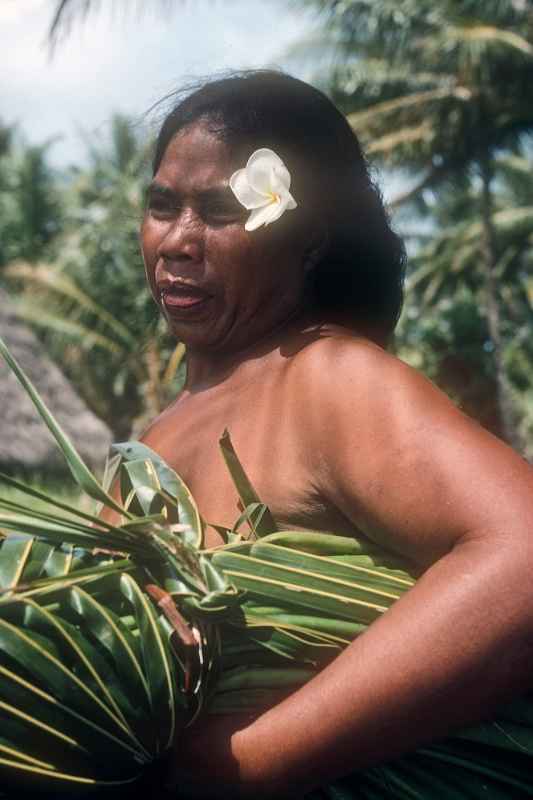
column 183, row 241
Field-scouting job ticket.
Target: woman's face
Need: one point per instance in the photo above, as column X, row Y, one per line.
column 219, row 286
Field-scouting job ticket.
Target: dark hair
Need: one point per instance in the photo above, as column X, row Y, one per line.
column 361, row 268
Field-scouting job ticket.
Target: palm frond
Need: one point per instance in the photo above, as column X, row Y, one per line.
column 408, row 101
column 488, row 34
column 407, row 135
column 68, row 12
column 45, row 276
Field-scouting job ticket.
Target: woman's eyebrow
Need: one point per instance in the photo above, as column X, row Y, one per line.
column 220, row 192
column 212, row 193
column 163, row 191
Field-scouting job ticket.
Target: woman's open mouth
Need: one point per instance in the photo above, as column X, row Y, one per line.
column 180, row 298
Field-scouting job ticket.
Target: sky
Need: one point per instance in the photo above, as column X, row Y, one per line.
column 128, row 54
column 118, row 61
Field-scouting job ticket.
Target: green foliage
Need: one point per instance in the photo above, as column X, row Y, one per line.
column 449, row 341
column 44, row 485
column 101, row 258
column 444, row 330
column 30, row 204
column 433, row 80
column 91, row 304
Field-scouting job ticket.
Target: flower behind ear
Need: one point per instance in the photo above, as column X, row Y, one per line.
column 262, row 187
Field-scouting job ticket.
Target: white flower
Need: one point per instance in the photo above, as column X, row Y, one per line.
column 263, row 188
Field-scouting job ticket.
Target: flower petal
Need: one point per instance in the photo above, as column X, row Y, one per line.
column 281, row 178
column 259, row 169
column 278, row 208
column 245, row 194
column 291, row 202
column 261, row 216
column 279, row 189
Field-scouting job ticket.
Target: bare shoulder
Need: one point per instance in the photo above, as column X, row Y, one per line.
column 339, row 344
column 397, row 457
column 345, row 369
column 158, row 429
column 352, row 388
column 352, row 391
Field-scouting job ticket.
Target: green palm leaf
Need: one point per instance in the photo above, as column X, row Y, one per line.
column 171, row 486
column 264, row 523
column 157, row 664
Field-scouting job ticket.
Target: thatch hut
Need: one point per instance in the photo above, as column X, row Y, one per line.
column 25, row 443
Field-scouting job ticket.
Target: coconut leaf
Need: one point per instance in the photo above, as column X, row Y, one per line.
column 262, row 678
column 40, row 657
column 304, row 588
column 157, row 664
column 171, row 485
column 80, row 655
column 70, row 509
column 116, row 641
column 265, row 524
column 60, row 531
column 15, row 552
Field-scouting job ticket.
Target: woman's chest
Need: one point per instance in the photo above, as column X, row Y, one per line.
column 269, row 447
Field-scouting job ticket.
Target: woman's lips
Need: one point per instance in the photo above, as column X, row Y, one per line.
column 183, row 298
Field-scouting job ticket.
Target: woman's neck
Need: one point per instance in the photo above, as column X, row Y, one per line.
column 208, row 368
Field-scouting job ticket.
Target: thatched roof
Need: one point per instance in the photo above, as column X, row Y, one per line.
column 25, row 442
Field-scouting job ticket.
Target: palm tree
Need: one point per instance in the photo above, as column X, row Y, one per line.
column 30, row 209
column 442, row 330
column 68, row 12
column 6, row 134
column 441, row 89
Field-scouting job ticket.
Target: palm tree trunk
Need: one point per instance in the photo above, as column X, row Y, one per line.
column 506, row 404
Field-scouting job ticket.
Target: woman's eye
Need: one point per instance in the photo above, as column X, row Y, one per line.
column 161, row 210
column 222, row 212
column 162, row 207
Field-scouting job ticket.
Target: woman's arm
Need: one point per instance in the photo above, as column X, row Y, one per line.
column 417, row 476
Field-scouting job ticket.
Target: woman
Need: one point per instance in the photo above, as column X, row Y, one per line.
column 267, row 248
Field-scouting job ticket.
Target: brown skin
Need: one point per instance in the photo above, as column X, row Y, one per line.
column 336, row 434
